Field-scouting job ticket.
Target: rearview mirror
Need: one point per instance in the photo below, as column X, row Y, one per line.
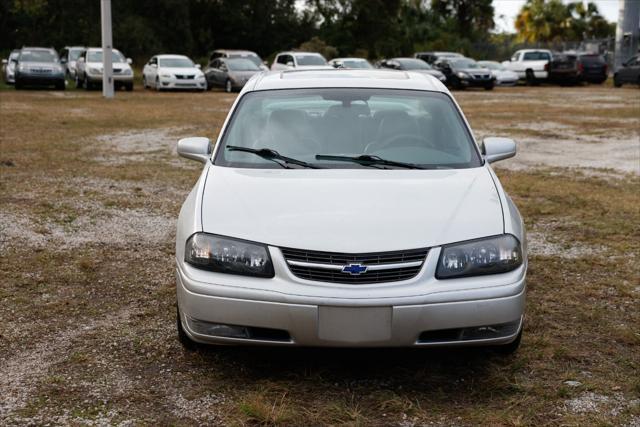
column 195, row 148
column 496, row 148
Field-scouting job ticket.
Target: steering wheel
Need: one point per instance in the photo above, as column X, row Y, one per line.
column 408, row 140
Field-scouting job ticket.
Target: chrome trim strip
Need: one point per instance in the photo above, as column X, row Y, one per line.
column 374, row 267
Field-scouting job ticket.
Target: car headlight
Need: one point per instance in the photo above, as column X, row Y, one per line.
column 128, row 72
column 463, row 75
column 492, row 255
column 165, row 76
column 227, row 255
column 94, row 70
column 200, row 77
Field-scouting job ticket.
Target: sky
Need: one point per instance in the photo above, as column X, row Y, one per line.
column 506, row 11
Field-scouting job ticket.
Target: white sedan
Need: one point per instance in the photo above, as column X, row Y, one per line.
column 349, row 209
column 164, row 72
column 503, row 76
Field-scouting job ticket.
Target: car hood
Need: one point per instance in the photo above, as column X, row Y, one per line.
column 181, row 70
column 351, row 210
column 48, row 65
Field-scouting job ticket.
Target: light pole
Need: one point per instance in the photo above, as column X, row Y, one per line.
column 107, row 41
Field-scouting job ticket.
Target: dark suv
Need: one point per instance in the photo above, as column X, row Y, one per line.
column 565, row 68
column 629, row 73
column 594, row 67
column 38, row 66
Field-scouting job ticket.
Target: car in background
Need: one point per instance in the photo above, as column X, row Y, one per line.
column 531, row 65
column 564, row 69
column 236, row 53
column 39, row 66
column 68, row 57
column 412, row 64
column 432, row 57
column 628, row 73
column 89, row 69
column 9, row 67
column 359, row 63
column 164, row 72
column 503, row 76
column 594, row 67
column 349, row 209
column 299, row 60
column 230, row 73
column 464, row 72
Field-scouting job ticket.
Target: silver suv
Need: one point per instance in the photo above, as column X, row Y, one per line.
column 89, row 69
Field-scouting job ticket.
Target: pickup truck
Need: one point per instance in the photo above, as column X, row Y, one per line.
column 531, row 65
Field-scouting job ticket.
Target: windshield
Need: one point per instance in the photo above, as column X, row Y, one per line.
column 414, row 64
column 418, row 127
column 255, row 59
column 310, row 60
column 14, row 54
column 38, row 56
column 356, row 63
column 176, row 62
column 464, row 63
column 96, row 56
column 492, row 65
column 74, row 54
column 241, row 64
column 592, row 59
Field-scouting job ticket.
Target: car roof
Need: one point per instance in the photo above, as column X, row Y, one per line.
column 344, row 78
column 351, row 58
column 235, row 51
column 99, row 48
column 50, row 49
column 299, row 52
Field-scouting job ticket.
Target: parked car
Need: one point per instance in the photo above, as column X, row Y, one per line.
column 230, row 73
column 530, row 64
column 39, row 66
column 499, row 72
column 89, row 69
column 432, row 57
column 412, row 64
column 594, row 67
column 465, row 72
column 246, row 54
column 302, row 60
column 628, row 73
column 164, row 72
column 398, row 234
column 359, row 63
column 68, row 57
column 9, row 67
column 564, row 68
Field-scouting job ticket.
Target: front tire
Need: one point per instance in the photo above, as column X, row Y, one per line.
column 158, row 88
column 60, row 85
column 490, row 86
column 184, row 339
column 510, row 348
column 128, row 87
column 228, row 86
column 531, row 78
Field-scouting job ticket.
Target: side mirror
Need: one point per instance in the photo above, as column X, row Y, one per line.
column 195, row 148
column 63, row 60
column 265, row 63
column 496, row 148
column 4, row 62
column 154, row 65
column 338, row 65
column 198, row 66
column 129, row 61
column 290, row 64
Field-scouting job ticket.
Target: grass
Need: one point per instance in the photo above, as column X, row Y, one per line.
column 87, row 299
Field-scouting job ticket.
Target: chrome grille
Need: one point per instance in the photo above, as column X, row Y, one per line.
column 185, row 76
column 381, row 266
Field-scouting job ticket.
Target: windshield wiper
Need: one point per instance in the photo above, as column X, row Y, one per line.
column 269, row 154
column 368, row 160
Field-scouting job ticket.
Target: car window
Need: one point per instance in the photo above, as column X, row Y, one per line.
column 402, row 125
column 255, row 59
column 310, row 60
column 413, row 64
column 74, row 54
column 351, row 63
column 514, row 58
column 632, row 62
column 241, row 64
column 28, row 55
column 536, row 56
column 282, row 59
column 96, row 56
column 176, row 62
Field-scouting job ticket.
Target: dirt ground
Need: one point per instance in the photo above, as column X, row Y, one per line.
column 89, row 194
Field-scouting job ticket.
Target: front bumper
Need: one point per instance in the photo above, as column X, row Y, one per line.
column 174, row 83
column 477, row 82
column 117, row 78
column 290, row 311
column 507, row 82
column 37, row 79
